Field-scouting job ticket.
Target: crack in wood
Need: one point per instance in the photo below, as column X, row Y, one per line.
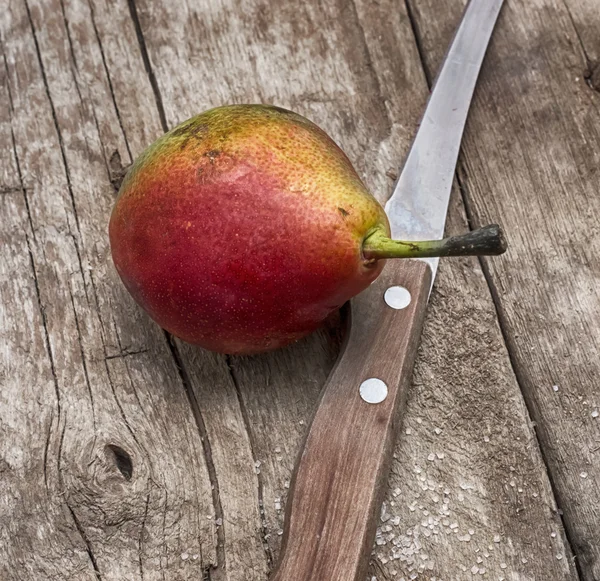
column 88, row 545
column 83, row 361
column 69, row 40
column 45, row 325
column 147, row 65
column 121, row 410
column 4, row 191
column 75, row 80
column 369, row 62
column 60, row 139
column 418, row 41
column 46, row 446
column 210, row 465
column 108, row 79
column 124, row 354
column 14, row 144
column 569, row 533
column 142, row 531
column 520, row 379
column 127, row 370
column 164, row 523
column 253, row 447
column 54, row 116
column 64, row 494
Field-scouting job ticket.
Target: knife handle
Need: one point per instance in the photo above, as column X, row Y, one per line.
column 336, row 493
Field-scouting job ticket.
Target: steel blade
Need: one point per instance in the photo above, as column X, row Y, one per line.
column 418, row 206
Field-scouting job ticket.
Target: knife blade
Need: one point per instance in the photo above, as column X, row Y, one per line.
column 337, row 487
column 419, row 203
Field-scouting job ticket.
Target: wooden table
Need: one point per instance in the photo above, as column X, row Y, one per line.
column 126, row 456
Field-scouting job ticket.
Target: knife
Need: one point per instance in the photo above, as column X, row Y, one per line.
column 337, row 488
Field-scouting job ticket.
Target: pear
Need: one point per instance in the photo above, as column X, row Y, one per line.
column 243, row 228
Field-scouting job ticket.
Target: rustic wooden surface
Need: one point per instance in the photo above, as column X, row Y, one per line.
column 124, row 455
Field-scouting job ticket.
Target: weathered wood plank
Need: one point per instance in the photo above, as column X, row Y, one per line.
column 466, row 428
column 355, row 70
column 531, row 158
column 239, row 550
column 120, row 475
column 31, row 514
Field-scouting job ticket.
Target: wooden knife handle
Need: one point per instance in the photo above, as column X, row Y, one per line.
column 336, row 494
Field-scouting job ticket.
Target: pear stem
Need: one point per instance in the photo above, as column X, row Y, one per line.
column 485, row 241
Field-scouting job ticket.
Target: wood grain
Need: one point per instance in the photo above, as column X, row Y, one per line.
column 127, row 457
column 531, row 158
column 117, row 483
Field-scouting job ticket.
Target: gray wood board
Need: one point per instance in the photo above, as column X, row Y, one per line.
column 127, row 456
column 530, row 157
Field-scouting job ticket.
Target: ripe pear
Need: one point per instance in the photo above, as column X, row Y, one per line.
column 243, row 228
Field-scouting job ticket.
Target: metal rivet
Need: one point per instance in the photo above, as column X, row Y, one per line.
column 373, row 390
column 397, row 297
